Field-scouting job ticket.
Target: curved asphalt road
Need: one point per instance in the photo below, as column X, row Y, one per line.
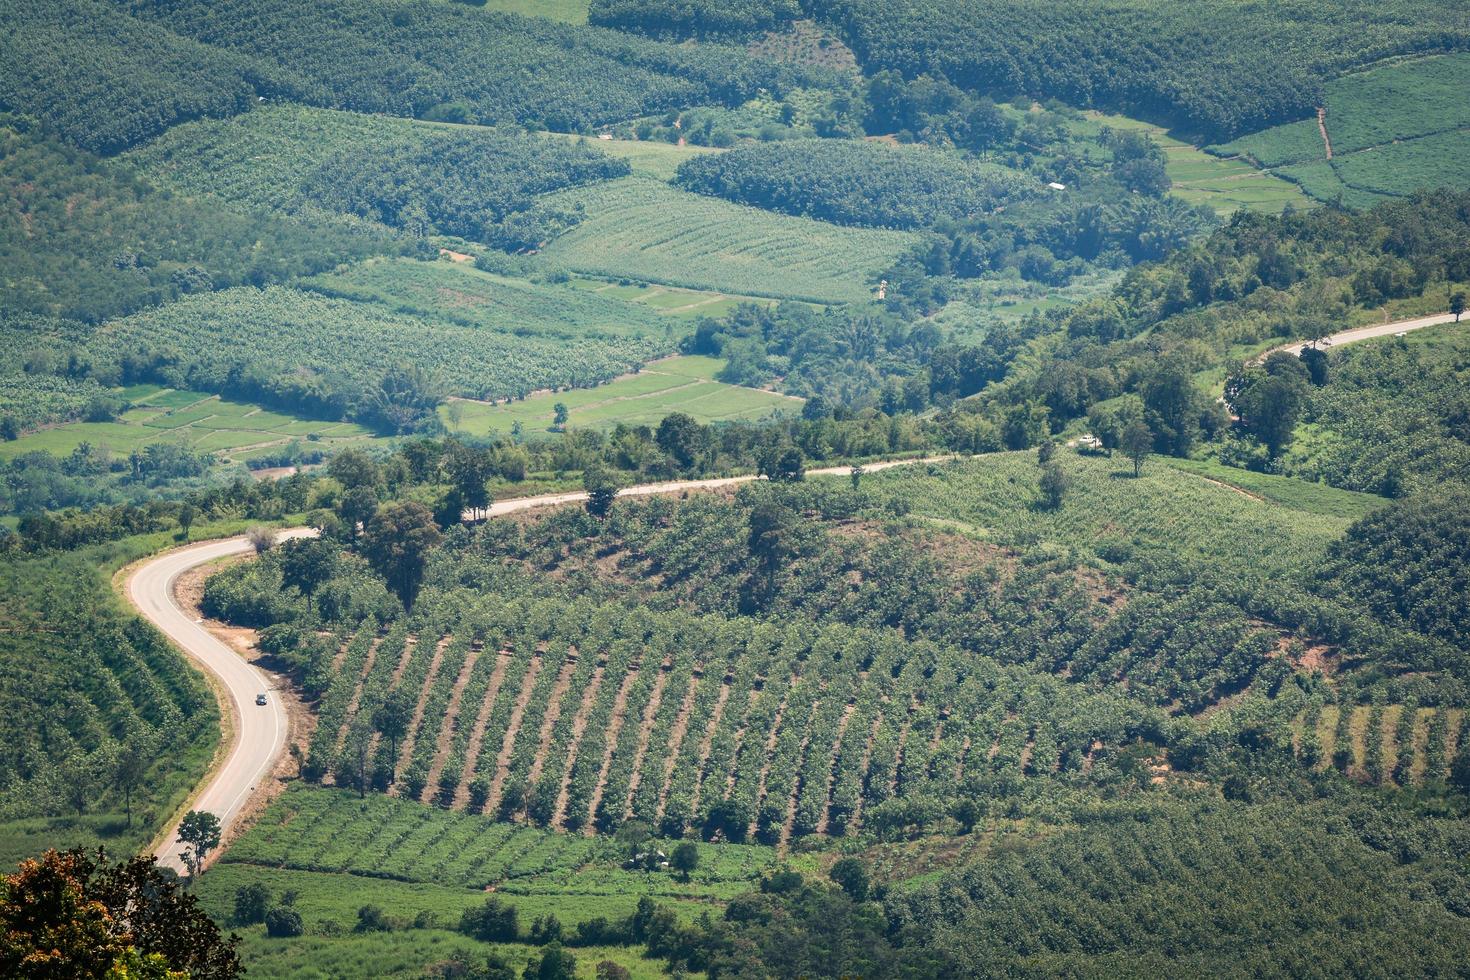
column 1367, row 333
column 261, row 731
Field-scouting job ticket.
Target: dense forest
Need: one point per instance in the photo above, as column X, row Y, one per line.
column 442, row 61
column 1265, row 65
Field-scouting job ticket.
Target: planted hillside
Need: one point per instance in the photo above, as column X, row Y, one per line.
column 416, row 177
column 1258, row 282
column 1389, row 416
column 37, row 383
column 1409, row 564
column 1266, row 63
column 1365, row 890
column 856, row 183
column 327, row 357
column 103, row 726
column 445, row 61
column 106, row 80
column 81, row 238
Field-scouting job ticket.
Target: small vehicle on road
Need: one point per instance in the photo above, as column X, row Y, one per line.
column 260, row 699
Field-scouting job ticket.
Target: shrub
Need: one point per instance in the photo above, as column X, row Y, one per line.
column 251, row 903
column 283, row 922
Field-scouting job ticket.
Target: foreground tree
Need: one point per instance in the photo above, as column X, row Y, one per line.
column 397, row 543
column 307, row 564
column 75, row 915
column 685, row 858
column 1457, row 305
column 394, row 717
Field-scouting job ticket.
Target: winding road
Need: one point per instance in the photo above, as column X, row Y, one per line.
column 260, row 732
column 1367, row 333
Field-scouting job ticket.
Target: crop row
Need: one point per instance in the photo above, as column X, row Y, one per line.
column 1391, row 745
column 691, row 724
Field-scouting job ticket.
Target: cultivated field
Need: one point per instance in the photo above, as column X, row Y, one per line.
column 281, row 330
column 1394, row 129
column 458, row 293
column 200, row 422
column 643, row 229
column 677, row 384
column 569, row 715
column 1225, row 184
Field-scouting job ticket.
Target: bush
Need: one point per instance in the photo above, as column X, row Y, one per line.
column 283, row 922
column 251, row 903
column 493, row 922
column 371, row 918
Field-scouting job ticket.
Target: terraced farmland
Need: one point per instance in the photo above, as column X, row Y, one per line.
column 1393, row 130
column 676, row 384
column 643, row 229
column 578, row 716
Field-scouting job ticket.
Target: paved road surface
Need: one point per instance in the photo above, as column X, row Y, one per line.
column 1368, row 333
column 260, row 732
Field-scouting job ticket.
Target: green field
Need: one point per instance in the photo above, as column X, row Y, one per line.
column 1302, row 495
column 1394, row 129
column 1225, row 184
column 338, row 853
column 642, row 229
column 203, row 423
column 676, row 384
column 1168, row 509
column 458, row 293
column 570, row 11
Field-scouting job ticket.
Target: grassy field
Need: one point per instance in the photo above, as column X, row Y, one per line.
column 1167, row 509
column 648, row 158
column 643, row 229
column 1225, row 184
column 459, row 293
column 234, row 430
column 677, row 384
column 569, row 11
column 1310, row 498
column 1394, row 129
column 668, row 301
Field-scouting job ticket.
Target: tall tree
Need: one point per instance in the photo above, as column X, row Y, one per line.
column 200, row 831
column 397, row 544
column 394, row 716
column 307, row 564
column 470, row 469
column 601, row 489
column 1137, row 443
